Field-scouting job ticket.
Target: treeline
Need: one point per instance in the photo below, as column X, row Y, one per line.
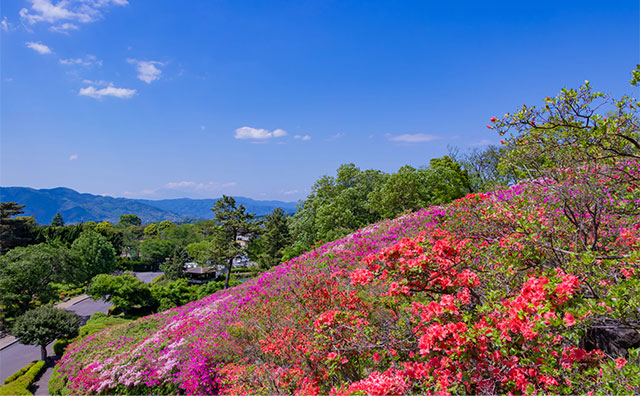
column 354, row 198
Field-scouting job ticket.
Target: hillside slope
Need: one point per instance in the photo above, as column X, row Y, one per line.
column 77, row 207
column 510, row 291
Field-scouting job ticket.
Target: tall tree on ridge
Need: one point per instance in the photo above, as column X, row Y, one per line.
column 57, row 220
column 233, row 221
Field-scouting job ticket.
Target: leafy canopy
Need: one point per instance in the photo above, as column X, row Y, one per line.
column 44, row 325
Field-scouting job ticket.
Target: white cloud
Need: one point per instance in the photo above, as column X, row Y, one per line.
column 39, row 48
column 303, row 138
column 87, row 61
column 61, row 15
column 122, row 93
column 291, row 192
column 147, row 70
column 413, row 138
column 183, row 184
column 191, row 186
column 258, row 134
column 64, row 28
column 96, row 82
column 73, row 157
column 5, row 25
column 334, row 137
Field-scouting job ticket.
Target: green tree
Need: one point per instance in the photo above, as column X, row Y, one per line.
column 336, row 206
column 581, row 154
column 200, row 252
column 233, row 221
column 113, row 235
column 164, row 226
column 62, row 234
column 275, row 238
column 14, row 230
column 57, row 220
column 156, row 251
column 182, row 235
column 151, row 230
column 404, row 191
column 131, row 237
column 127, row 293
column 45, row 324
column 568, row 131
column 95, row 256
column 483, row 168
column 127, row 220
column 173, row 267
column 26, row 274
column 173, row 294
column 446, row 180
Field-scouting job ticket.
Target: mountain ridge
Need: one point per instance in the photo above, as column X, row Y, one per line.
column 77, row 207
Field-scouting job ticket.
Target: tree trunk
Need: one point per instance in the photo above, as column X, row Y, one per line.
column 43, row 352
column 226, row 281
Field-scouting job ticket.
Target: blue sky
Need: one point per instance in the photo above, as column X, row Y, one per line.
column 164, row 99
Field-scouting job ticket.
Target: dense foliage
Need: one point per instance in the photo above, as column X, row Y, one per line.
column 27, row 273
column 43, row 325
column 95, row 256
column 15, row 230
column 355, row 198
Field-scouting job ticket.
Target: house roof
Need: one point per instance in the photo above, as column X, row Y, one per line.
column 199, row 270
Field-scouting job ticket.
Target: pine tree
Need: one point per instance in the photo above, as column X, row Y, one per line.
column 233, row 221
column 57, row 220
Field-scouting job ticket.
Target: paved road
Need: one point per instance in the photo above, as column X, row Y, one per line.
column 16, row 356
column 147, row 277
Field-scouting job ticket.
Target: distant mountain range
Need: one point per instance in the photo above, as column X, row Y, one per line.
column 77, row 207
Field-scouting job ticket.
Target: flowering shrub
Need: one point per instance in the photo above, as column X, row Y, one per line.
column 493, row 294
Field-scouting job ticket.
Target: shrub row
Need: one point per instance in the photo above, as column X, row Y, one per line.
column 20, row 384
column 19, row 373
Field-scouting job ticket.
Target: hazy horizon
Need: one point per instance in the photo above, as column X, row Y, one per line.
column 149, row 199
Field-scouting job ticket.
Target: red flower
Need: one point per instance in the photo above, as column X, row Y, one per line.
column 569, row 319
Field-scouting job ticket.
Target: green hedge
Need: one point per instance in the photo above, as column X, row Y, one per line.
column 60, row 345
column 19, row 373
column 20, row 385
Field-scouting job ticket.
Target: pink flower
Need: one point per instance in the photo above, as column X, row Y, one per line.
column 569, row 319
column 628, row 273
column 620, row 362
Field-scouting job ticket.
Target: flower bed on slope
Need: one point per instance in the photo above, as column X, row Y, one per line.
column 495, row 293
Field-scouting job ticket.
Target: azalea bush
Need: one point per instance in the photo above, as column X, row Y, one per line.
column 507, row 292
